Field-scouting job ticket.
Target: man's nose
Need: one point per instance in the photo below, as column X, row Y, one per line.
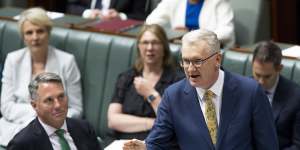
column 57, row 103
column 191, row 67
column 261, row 81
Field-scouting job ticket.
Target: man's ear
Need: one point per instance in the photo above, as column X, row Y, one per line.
column 219, row 59
column 279, row 68
column 33, row 104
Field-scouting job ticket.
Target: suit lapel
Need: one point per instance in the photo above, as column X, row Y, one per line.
column 278, row 102
column 229, row 99
column 74, row 134
column 43, row 139
column 195, row 110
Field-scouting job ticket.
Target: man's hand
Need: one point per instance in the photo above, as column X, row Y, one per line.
column 109, row 14
column 134, row 144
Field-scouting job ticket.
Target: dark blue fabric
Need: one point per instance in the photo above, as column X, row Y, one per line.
column 192, row 15
column 98, row 4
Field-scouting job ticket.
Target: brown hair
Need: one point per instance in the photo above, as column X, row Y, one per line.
column 160, row 33
column 268, row 51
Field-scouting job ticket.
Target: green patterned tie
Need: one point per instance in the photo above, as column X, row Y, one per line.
column 62, row 141
column 210, row 114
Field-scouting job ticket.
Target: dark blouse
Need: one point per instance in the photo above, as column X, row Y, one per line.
column 133, row 103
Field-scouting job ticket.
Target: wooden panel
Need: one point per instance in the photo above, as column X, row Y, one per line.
column 285, row 21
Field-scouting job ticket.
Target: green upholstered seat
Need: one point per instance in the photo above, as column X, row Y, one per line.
column 288, row 66
column 58, row 37
column 11, row 39
column 235, row 61
column 119, row 60
column 96, row 66
column 76, row 43
column 296, row 73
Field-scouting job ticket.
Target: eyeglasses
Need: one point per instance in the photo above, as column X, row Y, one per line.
column 185, row 63
column 146, row 43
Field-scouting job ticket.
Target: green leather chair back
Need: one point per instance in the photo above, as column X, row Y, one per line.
column 288, row 68
column 296, row 73
column 11, row 39
column 76, row 44
column 58, row 37
column 235, row 62
column 120, row 59
column 96, row 65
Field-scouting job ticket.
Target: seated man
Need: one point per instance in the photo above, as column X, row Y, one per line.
column 283, row 94
column 51, row 128
column 112, row 9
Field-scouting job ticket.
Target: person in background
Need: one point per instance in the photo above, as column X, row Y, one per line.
column 214, row 15
column 138, row 91
column 52, row 129
column 283, row 94
column 23, row 65
column 113, row 9
column 211, row 109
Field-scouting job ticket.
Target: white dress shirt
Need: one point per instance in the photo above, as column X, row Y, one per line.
column 271, row 91
column 217, row 89
column 54, row 139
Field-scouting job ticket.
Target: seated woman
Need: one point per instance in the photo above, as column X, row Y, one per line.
column 214, row 15
column 23, row 65
column 138, row 92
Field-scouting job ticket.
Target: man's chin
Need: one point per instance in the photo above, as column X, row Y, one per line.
column 193, row 83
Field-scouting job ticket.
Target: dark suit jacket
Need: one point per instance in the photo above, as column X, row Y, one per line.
column 34, row 137
column 134, row 9
column 246, row 120
column 286, row 109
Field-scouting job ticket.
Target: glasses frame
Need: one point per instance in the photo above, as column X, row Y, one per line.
column 197, row 62
column 152, row 43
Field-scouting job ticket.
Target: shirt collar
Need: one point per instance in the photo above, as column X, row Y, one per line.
column 51, row 130
column 216, row 88
column 272, row 90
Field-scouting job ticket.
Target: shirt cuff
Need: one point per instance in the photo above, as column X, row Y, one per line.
column 123, row 16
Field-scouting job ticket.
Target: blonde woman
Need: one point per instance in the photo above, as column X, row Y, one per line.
column 23, row 65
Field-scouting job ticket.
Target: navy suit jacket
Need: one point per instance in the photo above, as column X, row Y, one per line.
column 134, row 9
column 286, row 109
column 34, row 137
column 246, row 120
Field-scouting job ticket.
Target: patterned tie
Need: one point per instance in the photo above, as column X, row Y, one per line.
column 62, row 141
column 210, row 114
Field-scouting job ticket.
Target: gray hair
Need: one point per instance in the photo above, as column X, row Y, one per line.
column 37, row 16
column 195, row 36
column 45, row 77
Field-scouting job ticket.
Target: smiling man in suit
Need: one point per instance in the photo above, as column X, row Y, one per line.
column 212, row 109
column 52, row 130
column 283, row 94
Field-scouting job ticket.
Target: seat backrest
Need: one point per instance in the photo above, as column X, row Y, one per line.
column 251, row 20
column 96, row 65
column 296, row 73
column 235, row 61
column 11, row 39
column 58, row 37
column 76, row 44
column 288, row 67
column 119, row 60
